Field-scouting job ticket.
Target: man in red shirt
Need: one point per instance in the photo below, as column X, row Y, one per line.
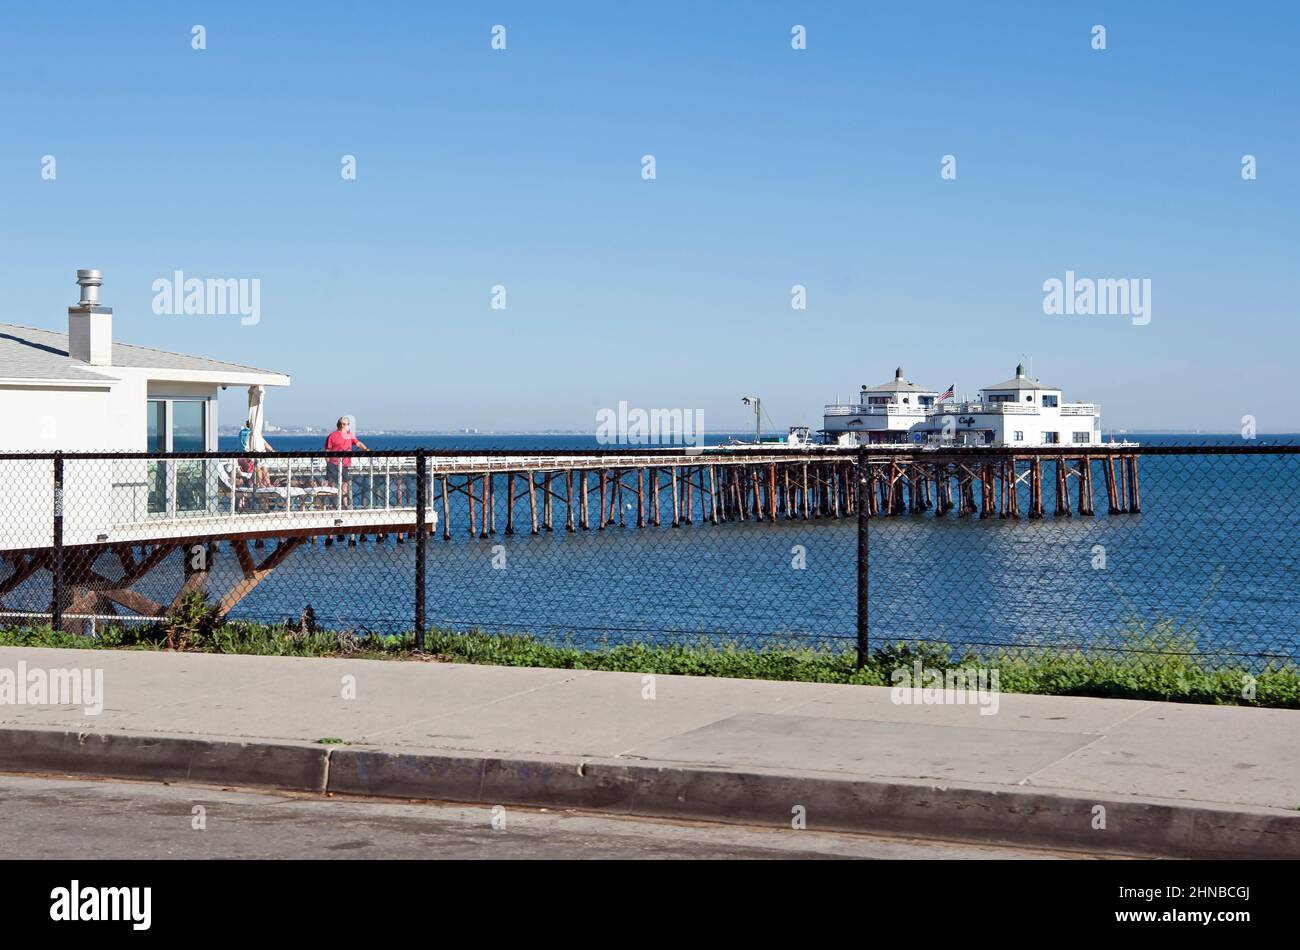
column 342, row 440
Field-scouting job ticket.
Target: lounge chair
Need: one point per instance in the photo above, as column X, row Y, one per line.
column 281, row 496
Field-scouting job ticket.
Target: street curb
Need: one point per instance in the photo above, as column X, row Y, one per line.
column 164, row 758
column 1021, row 817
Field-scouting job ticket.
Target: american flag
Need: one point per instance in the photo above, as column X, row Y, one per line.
column 947, row 393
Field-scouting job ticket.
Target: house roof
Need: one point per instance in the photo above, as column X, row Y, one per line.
column 31, row 353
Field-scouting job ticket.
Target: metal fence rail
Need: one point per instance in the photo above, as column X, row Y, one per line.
column 1099, row 552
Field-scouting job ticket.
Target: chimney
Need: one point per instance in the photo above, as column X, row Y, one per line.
column 90, row 326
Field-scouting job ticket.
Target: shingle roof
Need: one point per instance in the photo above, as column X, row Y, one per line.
column 31, row 353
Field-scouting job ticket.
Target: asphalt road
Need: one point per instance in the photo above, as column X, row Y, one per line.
column 43, row 817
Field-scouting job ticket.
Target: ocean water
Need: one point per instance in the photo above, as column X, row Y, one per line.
column 1210, row 562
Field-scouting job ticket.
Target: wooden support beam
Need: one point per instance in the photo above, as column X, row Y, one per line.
column 532, row 500
column 713, row 493
column 568, row 500
column 676, row 506
column 469, row 490
column 24, row 567
column 654, row 477
column 446, row 512
column 510, row 503
column 257, row 574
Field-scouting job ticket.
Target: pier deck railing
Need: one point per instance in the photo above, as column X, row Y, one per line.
column 1114, row 551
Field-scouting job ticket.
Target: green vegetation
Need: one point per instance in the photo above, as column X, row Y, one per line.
column 1159, row 662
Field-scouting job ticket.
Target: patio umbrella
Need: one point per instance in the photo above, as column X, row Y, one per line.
column 256, row 418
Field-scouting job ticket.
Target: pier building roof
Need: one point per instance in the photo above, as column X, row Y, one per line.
column 898, row 385
column 1021, row 381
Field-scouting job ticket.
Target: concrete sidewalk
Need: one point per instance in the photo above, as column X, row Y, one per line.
column 1113, row 776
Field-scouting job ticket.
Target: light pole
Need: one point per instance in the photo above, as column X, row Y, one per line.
column 758, row 418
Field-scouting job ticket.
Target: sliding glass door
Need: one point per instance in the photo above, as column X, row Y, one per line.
column 178, row 425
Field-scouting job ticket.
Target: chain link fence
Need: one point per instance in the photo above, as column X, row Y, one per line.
column 1091, row 552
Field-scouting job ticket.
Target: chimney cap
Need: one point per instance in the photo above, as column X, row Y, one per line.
column 90, row 279
column 898, row 373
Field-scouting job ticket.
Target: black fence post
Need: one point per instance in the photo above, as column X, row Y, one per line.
column 56, row 608
column 421, row 540
column 863, row 504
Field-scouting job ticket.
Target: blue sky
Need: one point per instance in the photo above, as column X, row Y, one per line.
column 775, row 167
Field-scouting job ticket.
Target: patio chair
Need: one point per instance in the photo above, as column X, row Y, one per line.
column 281, row 496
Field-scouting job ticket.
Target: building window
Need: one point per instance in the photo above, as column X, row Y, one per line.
column 877, row 400
column 1018, row 436
column 926, row 401
column 178, row 485
column 1049, row 402
column 1082, row 438
column 1051, row 438
column 1000, row 397
column 1029, row 398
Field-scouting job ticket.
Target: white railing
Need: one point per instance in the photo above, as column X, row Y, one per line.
column 148, row 491
column 1015, row 408
column 888, row 410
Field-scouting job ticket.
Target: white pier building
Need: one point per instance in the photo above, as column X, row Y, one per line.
column 1021, row 411
column 885, row 413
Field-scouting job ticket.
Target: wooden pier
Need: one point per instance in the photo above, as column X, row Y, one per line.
column 945, row 482
column 715, row 487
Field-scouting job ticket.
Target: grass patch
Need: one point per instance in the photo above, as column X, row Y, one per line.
column 1160, row 663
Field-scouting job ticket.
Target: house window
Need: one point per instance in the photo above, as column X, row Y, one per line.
column 178, row 425
column 1049, row 402
column 156, row 438
column 1082, row 438
column 1018, row 436
column 1051, row 438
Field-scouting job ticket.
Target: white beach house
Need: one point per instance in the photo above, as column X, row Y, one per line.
column 80, row 390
